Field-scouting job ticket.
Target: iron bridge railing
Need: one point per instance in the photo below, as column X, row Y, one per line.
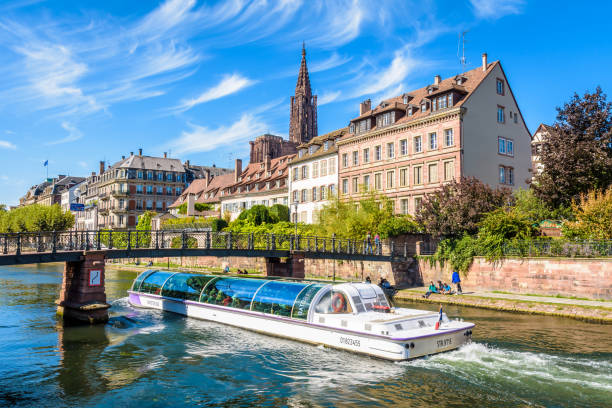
column 52, row 242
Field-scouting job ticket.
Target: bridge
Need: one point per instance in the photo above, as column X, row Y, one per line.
column 83, row 297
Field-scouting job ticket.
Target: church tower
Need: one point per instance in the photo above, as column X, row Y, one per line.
column 303, row 122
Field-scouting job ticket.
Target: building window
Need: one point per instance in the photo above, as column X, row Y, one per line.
column 344, row 160
column 515, row 118
column 149, row 189
column 403, row 147
column 390, row 150
column 366, row 182
column 449, row 137
column 295, row 196
column 323, row 168
column 296, row 174
column 304, row 172
column 140, row 174
column 505, row 146
column 323, row 192
column 378, row 181
column 345, row 186
column 355, row 158
column 417, row 172
column 355, row 185
column 332, row 189
column 390, row 179
column 418, row 201
column 332, row 166
column 150, row 175
column 314, row 194
column 433, row 141
column 385, row 119
column 169, row 177
column 449, row 170
column 304, row 195
column 149, row 204
column 366, row 155
column 352, row 128
column 432, row 171
column 315, row 170
column 418, row 144
column 506, row 175
column 377, row 153
column 404, row 206
column 139, row 188
column 403, row 175
column 500, row 87
column 501, row 116
column 325, row 145
column 311, row 149
column 160, row 176
column 510, row 175
column 160, row 190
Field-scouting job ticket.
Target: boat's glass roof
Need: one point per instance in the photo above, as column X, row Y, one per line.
column 291, row 299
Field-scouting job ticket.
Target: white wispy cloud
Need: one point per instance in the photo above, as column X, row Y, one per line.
column 494, row 9
column 333, row 61
column 390, row 76
column 229, row 84
column 202, row 139
column 5, row 144
column 73, row 134
column 328, row 97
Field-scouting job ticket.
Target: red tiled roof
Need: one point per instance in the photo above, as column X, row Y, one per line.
column 278, row 171
column 200, row 189
column 472, row 79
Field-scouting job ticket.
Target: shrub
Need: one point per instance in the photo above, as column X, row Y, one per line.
column 182, row 209
column 593, row 216
column 218, row 224
column 279, row 212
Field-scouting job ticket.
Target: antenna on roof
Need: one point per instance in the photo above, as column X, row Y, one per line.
column 461, row 50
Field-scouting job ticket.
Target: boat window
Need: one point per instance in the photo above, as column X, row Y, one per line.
column 302, row 303
column 358, row 304
column 277, row 297
column 154, row 282
column 140, row 278
column 366, row 292
column 378, row 304
column 185, row 286
column 334, row 302
column 232, row 292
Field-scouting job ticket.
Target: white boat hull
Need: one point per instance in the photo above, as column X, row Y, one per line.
column 448, row 337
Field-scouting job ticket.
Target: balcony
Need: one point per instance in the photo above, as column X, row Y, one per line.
column 120, row 193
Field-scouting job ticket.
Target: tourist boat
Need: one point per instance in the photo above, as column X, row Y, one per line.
column 349, row 316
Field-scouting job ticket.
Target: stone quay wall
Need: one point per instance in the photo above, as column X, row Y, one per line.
column 580, row 277
column 403, row 274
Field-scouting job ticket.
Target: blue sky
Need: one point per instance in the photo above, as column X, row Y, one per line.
column 84, row 81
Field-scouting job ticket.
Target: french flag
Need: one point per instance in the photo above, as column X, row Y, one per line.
column 439, row 322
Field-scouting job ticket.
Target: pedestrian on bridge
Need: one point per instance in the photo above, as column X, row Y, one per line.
column 369, row 243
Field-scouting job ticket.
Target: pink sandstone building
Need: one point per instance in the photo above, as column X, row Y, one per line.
column 410, row 145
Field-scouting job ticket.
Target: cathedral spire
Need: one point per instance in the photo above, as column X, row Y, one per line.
column 303, row 121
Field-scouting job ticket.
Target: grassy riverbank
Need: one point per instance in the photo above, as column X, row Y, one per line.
column 586, row 310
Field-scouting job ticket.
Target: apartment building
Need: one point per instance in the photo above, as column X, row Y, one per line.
column 264, row 183
column 314, row 176
column 50, row 191
column 135, row 184
column 410, row 145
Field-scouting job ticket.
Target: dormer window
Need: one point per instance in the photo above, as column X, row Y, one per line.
column 261, row 166
column 385, row 119
column 423, row 106
column 311, row 149
column 249, row 178
column 280, row 172
column 257, row 175
column 269, row 173
column 405, row 99
column 326, row 145
column 268, row 185
column 352, row 128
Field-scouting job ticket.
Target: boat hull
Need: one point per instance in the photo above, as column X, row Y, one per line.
column 386, row 347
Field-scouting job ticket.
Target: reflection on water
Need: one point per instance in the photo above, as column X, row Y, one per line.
column 144, row 357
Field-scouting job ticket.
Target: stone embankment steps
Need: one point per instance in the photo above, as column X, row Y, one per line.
column 599, row 311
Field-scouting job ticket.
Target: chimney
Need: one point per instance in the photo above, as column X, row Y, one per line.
column 237, row 170
column 93, row 173
column 484, row 61
column 437, row 80
column 101, row 167
column 207, row 177
column 140, row 152
column 365, row 106
column 165, row 155
column 268, row 161
column 187, row 163
column 190, row 205
column 131, row 153
column 122, row 157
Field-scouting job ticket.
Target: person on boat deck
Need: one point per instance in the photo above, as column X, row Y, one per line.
column 440, row 287
column 432, row 289
column 369, row 243
column 384, row 283
column 457, row 282
column 368, row 280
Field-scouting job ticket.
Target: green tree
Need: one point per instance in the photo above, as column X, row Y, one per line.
column 182, row 209
column 593, row 216
column 279, row 212
column 577, row 154
column 458, row 207
column 536, row 210
column 34, row 218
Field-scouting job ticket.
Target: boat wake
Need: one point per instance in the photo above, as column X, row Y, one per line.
column 509, row 369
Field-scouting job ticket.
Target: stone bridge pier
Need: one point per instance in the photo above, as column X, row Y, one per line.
column 292, row 268
column 83, row 297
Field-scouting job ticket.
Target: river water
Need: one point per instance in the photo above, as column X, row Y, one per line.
column 148, row 358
